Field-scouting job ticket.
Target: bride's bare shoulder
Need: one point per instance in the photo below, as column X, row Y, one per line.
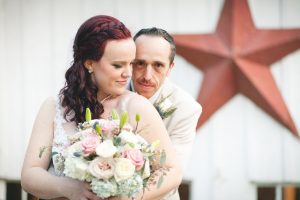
column 48, row 106
column 139, row 104
column 49, row 102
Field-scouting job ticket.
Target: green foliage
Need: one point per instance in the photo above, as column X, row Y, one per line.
column 163, row 158
column 123, row 119
column 54, row 153
column 77, row 154
column 88, row 115
column 167, row 113
column 159, row 182
column 137, row 118
column 117, row 141
column 115, row 114
column 98, row 129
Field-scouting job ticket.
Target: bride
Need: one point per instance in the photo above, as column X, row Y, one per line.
column 103, row 54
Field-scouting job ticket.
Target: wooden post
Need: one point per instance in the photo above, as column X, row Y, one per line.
column 289, row 193
column 2, row 190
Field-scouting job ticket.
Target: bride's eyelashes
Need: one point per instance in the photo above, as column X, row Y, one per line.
column 117, row 66
column 121, row 65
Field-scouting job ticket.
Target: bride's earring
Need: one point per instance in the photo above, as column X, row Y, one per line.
column 90, row 70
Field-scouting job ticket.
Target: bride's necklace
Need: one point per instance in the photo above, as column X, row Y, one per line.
column 106, row 98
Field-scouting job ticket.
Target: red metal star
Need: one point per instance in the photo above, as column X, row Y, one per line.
column 236, row 59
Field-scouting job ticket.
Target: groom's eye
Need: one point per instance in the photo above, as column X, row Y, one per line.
column 158, row 65
column 139, row 63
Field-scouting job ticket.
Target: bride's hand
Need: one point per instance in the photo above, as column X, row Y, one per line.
column 115, row 198
column 79, row 190
column 119, row 198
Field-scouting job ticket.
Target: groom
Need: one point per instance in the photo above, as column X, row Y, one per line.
column 180, row 112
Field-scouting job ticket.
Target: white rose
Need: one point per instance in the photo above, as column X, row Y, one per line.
column 106, row 149
column 76, row 147
column 76, row 168
column 87, row 131
column 165, row 105
column 130, row 137
column 124, row 169
column 102, row 168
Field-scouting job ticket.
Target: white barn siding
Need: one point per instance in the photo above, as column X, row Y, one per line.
column 239, row 147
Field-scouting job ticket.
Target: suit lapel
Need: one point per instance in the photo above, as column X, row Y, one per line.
column 167, row 88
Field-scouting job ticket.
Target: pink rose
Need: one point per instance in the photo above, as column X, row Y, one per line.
column 108, row 125
column 89, row 144
column 135, row 156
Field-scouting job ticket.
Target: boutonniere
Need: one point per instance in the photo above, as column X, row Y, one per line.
column 164, row 106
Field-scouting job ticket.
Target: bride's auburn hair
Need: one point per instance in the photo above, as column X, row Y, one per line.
column 79, row 91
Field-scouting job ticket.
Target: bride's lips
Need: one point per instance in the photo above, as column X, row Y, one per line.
column 122, row 82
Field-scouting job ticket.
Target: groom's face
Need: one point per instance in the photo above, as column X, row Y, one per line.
column 152, row 64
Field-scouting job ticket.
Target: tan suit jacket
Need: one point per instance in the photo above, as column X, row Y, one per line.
column 181, row 125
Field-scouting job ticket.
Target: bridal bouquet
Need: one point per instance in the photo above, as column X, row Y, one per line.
column 113, row 157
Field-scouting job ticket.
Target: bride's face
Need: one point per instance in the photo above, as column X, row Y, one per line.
column 112, row 72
